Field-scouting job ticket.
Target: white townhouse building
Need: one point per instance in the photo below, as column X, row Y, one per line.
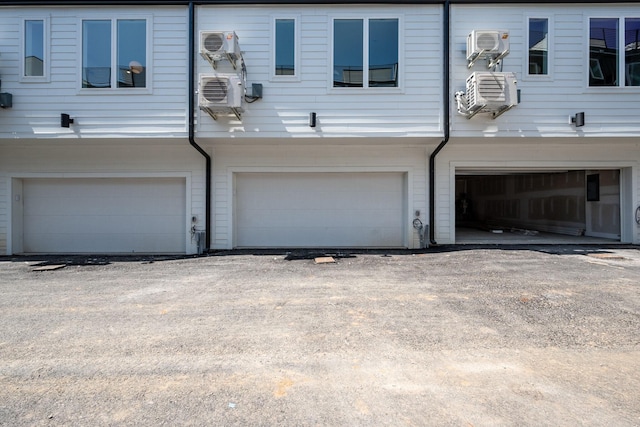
column 178, row 126
column 565, row 158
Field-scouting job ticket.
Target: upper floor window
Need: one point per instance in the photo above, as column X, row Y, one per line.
column 365, row 52
column 124, row 66
column 538, row 46
column 35, row 62
column 614, row 52
column 285, row 52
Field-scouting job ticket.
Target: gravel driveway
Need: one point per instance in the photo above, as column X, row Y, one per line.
column 465, row 336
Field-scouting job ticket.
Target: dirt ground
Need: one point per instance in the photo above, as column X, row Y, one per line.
column 465, row 336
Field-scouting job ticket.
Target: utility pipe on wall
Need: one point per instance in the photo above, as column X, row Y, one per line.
column 192, row 140
column 445, row 106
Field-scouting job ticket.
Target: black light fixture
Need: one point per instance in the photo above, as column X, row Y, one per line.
column 578, row 119
column 6, row 99
column 65, row 120
column 312, row 120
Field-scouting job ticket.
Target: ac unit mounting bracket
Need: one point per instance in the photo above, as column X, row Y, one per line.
column 501, row 111
column 492, row 59
column 214, row 115
column 232, row 61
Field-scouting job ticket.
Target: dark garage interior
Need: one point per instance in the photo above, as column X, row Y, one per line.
column 575, row 205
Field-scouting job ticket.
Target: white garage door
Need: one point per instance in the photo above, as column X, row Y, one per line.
column 319, row 209
column 113, row 215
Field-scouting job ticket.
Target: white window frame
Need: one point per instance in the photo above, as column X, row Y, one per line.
column 621, row 17
column 114, row 89
column 46, row 50
column 550, row 49
column 296, row 50
column 365, row 57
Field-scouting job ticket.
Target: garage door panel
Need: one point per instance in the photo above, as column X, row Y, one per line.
column 319, row 209
column 104, row 215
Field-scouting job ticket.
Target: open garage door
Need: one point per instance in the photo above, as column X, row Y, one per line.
column 320, row 209
column 509, row 205
column 103, row 215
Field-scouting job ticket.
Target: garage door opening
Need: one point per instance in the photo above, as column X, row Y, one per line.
column 576, row 206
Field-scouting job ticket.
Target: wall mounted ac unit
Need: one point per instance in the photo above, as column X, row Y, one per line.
column 490, row 92
column 221, row 94
column 490, row 44
column 219, row 45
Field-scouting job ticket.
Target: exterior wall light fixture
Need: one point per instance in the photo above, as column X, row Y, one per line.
column 65, row 120
column 578, row 119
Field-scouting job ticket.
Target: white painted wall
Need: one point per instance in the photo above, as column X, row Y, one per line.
column 326, row 158
column 158, row 112
column 125, row 158
column 414, row 110
column 546, row 103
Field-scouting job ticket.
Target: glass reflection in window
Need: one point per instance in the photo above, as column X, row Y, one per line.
column 285, row 47
column 632, row 51
column 383, row 53
column 96, row 54
column 34, row 48
column 132, row 52
column 348, row 52
column 603, row 52
column 538, row 46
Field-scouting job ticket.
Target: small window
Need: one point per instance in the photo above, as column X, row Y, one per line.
column 132, row 53
column 383, row 53
column 98, row 56
column 538, row 46
column 285, row 63
column 35, row 63
column 365, row 47
column 347, row 52
column 603, row 52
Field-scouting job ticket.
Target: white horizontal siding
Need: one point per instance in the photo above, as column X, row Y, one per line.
column 413, row 110
column 160, row 112
column 546, row 104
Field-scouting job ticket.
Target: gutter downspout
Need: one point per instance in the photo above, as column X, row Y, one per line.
column 447, row 122
column 192, row 140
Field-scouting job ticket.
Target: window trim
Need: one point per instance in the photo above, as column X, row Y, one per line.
column 46, row 50
column 550, row 49
column 114, row 89
column 296, row 77
column 365, row 58
column 621, row 17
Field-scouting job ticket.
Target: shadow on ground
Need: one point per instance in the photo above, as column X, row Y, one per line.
column 292, row 254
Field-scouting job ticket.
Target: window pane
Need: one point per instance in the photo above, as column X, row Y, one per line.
column 383, row 53
column 632, row 51
column 347, row 52
column 132, row 53
column 96, row 54
column 34, row 48
column 285, row 47
column 538, row 46
column 603, row 52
